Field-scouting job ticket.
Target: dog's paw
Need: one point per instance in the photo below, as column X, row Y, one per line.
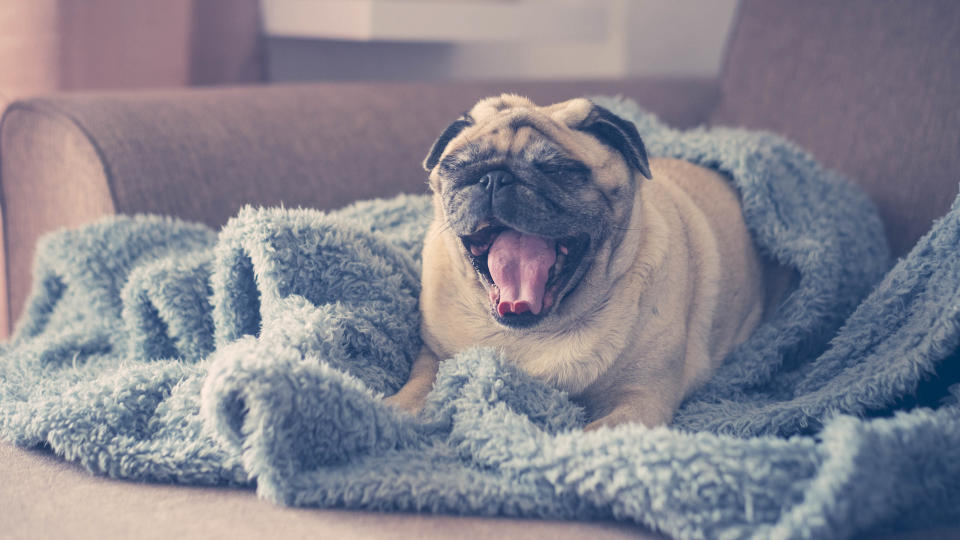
column 606, row 421
column 405, row 402
column 625, row 414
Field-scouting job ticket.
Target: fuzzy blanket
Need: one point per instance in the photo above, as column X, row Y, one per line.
column 158, row 350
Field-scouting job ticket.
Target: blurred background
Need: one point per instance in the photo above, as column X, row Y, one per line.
column 54, row 45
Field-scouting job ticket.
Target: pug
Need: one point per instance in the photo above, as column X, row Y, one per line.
column 620, row 280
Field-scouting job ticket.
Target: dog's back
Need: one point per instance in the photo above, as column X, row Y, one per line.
column 740, row 296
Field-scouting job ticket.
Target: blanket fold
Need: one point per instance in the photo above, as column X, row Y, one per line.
column 154, row 349
column 166, row 309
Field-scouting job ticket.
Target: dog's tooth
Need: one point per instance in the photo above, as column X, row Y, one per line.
column 494, row 293
column 564, row 249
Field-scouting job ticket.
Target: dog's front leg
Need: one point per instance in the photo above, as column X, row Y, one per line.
column 413, row 394
column 651, row 401
column 637, row 409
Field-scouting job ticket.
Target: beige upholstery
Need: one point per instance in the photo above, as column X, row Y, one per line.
column 43, row 497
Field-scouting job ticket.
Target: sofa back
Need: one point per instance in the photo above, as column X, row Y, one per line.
column 200, row 154
column 870, row 87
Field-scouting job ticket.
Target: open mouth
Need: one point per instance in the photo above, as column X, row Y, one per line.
column 524, row 273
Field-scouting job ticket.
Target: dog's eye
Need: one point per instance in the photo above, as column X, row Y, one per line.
column 451, row 163
column 469, row 174
column 564, row 169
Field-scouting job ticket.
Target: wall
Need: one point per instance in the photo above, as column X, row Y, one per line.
column 643, row 37
column 54, row 45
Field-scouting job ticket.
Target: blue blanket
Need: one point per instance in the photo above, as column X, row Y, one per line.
column 158, row 350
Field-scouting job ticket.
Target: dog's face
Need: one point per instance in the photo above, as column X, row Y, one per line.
column 535, row 197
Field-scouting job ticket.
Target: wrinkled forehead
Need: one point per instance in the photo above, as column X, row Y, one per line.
column 511, row 125
column 525, row 143
column 513, row 111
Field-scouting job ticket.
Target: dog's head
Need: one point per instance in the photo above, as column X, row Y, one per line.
column 535, row 196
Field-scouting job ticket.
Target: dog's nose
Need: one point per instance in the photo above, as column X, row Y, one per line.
column 496, row 179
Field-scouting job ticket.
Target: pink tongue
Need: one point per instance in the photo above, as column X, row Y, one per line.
column 520, row 265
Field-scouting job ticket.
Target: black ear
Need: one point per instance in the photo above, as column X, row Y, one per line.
column 440, row 144
column 618, row 133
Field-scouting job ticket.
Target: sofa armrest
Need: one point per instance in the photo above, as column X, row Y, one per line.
column 201, row 154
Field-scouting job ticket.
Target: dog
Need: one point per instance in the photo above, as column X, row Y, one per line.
column 620, row 280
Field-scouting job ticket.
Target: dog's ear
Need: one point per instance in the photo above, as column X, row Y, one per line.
column 618, row 133
column 440, row 144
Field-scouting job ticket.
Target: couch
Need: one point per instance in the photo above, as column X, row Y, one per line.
column 869, row 87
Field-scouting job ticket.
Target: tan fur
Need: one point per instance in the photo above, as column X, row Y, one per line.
column 661, row 305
